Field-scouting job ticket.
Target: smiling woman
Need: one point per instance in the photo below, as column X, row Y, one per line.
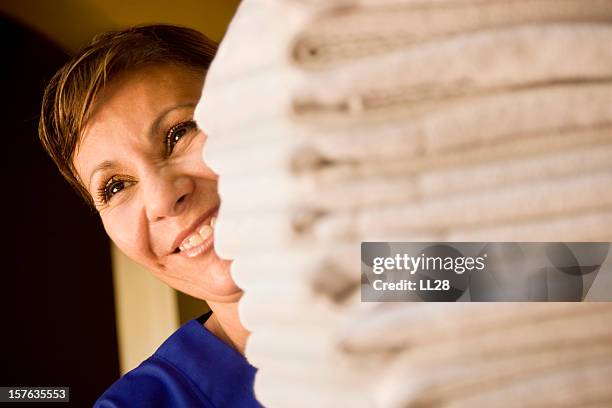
column 140, row 156
column 118, row 122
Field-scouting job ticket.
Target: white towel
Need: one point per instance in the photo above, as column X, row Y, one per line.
column 342, row 33
column 412, row 120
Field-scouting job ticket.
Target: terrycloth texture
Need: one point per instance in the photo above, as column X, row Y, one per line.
column 524, row 120
column 341, row 121
column 464, row 321
column 346, row 32
column 355, row 188
column 538, row 199
column 483, row 62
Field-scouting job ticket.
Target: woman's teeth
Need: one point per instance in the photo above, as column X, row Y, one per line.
column 198, row 237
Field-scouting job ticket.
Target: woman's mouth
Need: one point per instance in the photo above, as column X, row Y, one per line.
column 199, row 241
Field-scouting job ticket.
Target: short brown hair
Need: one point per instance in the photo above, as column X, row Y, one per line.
column 70, row 93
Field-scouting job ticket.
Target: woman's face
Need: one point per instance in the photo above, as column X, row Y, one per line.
column 140, row 157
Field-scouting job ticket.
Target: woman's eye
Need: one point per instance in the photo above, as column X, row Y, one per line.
column 111, row 188
column 114, row 188
column 176, row 133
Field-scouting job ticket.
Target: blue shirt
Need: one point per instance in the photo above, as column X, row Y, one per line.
column 192, row 368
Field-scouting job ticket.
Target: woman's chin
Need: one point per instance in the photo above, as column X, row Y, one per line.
column 213, row 281
column 203, row 276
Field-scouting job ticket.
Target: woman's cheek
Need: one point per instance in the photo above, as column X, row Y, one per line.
column 122, row 228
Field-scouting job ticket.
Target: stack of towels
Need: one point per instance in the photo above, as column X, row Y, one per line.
column 333, row 122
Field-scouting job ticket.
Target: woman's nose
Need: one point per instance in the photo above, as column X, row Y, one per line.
column 165, row 195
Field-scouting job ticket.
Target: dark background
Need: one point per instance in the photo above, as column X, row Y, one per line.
column 58, row 277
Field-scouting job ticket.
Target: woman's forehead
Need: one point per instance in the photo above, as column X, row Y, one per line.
column 138, row 98
column 147, row 88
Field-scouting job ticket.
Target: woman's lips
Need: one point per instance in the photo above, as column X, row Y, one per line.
column 200, row 241
column 198, row 237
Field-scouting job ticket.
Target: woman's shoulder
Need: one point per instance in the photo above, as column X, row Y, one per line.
column 154, row 383
column 192, row 368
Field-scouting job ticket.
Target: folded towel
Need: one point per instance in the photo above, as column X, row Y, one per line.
column 285, row 390
column 474, row 125
column 487, row 61
column 469, row 379
column 353, row 189
column 376, row 329
column 558, row 198
column 349, row 31
column 520, row 203
column 578, row 386
column 593, row 226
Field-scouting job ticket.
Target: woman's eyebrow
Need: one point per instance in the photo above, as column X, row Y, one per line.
column 155, row 126
column 106, row 164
